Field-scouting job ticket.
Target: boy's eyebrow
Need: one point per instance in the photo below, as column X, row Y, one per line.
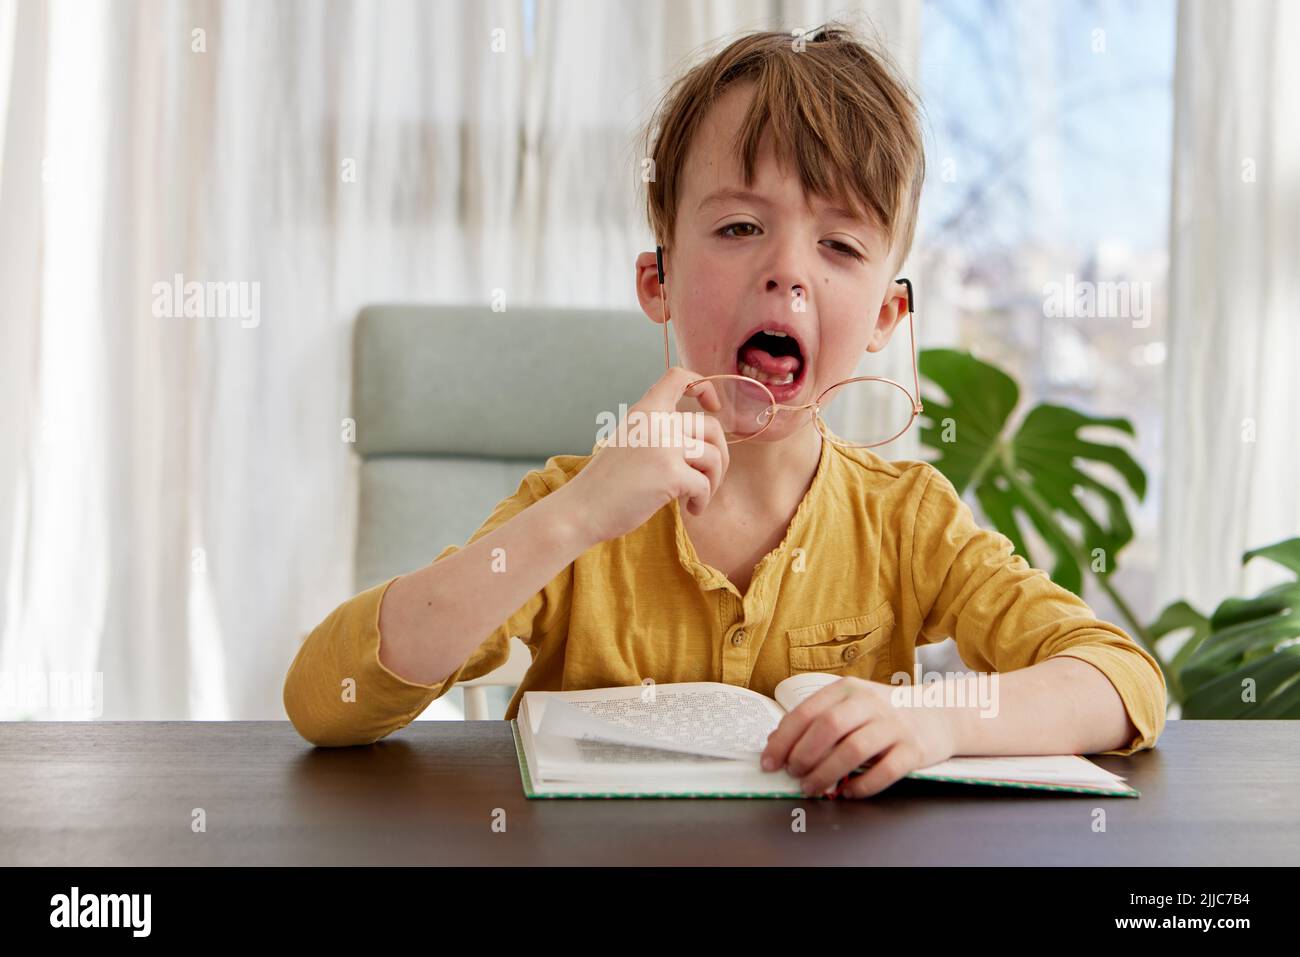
column 746, row 195
column 743, row 195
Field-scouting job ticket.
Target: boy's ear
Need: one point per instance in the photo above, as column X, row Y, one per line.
column 895, row 309
column 648, row 285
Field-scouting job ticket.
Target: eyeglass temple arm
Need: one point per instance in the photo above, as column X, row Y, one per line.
column 911, row 328
column 659, row 268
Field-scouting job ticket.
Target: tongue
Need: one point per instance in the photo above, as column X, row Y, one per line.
column 765, row 362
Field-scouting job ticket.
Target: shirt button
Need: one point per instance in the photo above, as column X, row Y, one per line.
column 738, row 638
column 850, row 653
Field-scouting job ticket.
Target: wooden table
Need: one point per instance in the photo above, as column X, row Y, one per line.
column 126, row 793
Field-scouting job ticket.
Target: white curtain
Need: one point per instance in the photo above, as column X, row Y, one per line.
column 1231, row 430
column 176, row 491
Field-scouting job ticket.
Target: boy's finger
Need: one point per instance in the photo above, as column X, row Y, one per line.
column 707, row 395
column 715, row 434
column 792, row 727
column 880, row 776
column 709, row 462
column 861, row 746
column 665, row 393
column 699, row 490
column 827, row 732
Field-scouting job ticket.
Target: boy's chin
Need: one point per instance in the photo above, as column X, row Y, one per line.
column 781, row 431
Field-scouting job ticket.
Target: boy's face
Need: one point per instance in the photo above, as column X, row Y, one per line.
column 739, row 264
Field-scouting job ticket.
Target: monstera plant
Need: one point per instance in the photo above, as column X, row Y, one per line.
column 1243, row 661
column 1028, row 470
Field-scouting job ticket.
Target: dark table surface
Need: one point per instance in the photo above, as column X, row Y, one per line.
column 439, row 792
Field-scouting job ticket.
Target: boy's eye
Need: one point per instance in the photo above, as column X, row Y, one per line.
column 842, row 248
column 845, row 249
column 724, row 230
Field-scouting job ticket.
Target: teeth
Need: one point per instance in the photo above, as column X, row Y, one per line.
column 748, row 370
column 773, row 332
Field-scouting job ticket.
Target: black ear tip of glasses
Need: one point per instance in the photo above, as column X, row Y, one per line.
column 659, row 263
column 911, row 304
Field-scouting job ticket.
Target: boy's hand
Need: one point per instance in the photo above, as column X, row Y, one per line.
column 623, row 485
column 852, row 722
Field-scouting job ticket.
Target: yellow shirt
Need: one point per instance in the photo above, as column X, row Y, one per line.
column 879, row 558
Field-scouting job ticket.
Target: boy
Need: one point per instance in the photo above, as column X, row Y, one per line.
column 785, row 174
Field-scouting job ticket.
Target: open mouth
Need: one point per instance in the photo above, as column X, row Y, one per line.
column 773, row 357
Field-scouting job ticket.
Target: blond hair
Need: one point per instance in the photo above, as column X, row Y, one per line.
column 840, row 110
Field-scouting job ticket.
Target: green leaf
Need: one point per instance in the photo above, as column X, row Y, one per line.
column 1285, row 553
column 1276, row 689
column 1176, row 616
column 980, row 400
column 1032, row 473
column 1253, row 638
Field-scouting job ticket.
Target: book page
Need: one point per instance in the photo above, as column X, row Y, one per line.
column 584, row 767
column 701, row 718
column 564, row 766
column 791, row 692
column 594, row 761
column 1027, row 769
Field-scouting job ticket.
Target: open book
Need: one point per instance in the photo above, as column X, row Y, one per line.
column 705, row 738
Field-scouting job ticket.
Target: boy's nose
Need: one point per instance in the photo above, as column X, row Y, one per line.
column 773, row 284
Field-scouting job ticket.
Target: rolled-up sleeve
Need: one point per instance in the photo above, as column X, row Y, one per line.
column 1005, row 615
column 337, row 692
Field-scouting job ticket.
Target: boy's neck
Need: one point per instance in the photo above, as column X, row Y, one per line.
column 770, row 477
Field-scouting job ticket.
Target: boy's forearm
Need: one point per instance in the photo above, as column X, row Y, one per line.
column 1059, row 706
column 433, row 619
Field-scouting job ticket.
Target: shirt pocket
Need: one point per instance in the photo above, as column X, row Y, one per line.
column 858, row 645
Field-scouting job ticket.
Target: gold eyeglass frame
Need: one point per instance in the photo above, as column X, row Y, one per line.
column 816, row 405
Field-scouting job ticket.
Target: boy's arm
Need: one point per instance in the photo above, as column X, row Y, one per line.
column 432, row 619
column 1059, row 706
column 449, row 621
column 1080, row 685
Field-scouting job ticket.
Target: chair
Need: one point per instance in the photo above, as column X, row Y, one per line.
column 454, row 404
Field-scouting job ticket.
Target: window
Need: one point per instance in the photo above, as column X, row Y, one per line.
column 1049, row 128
